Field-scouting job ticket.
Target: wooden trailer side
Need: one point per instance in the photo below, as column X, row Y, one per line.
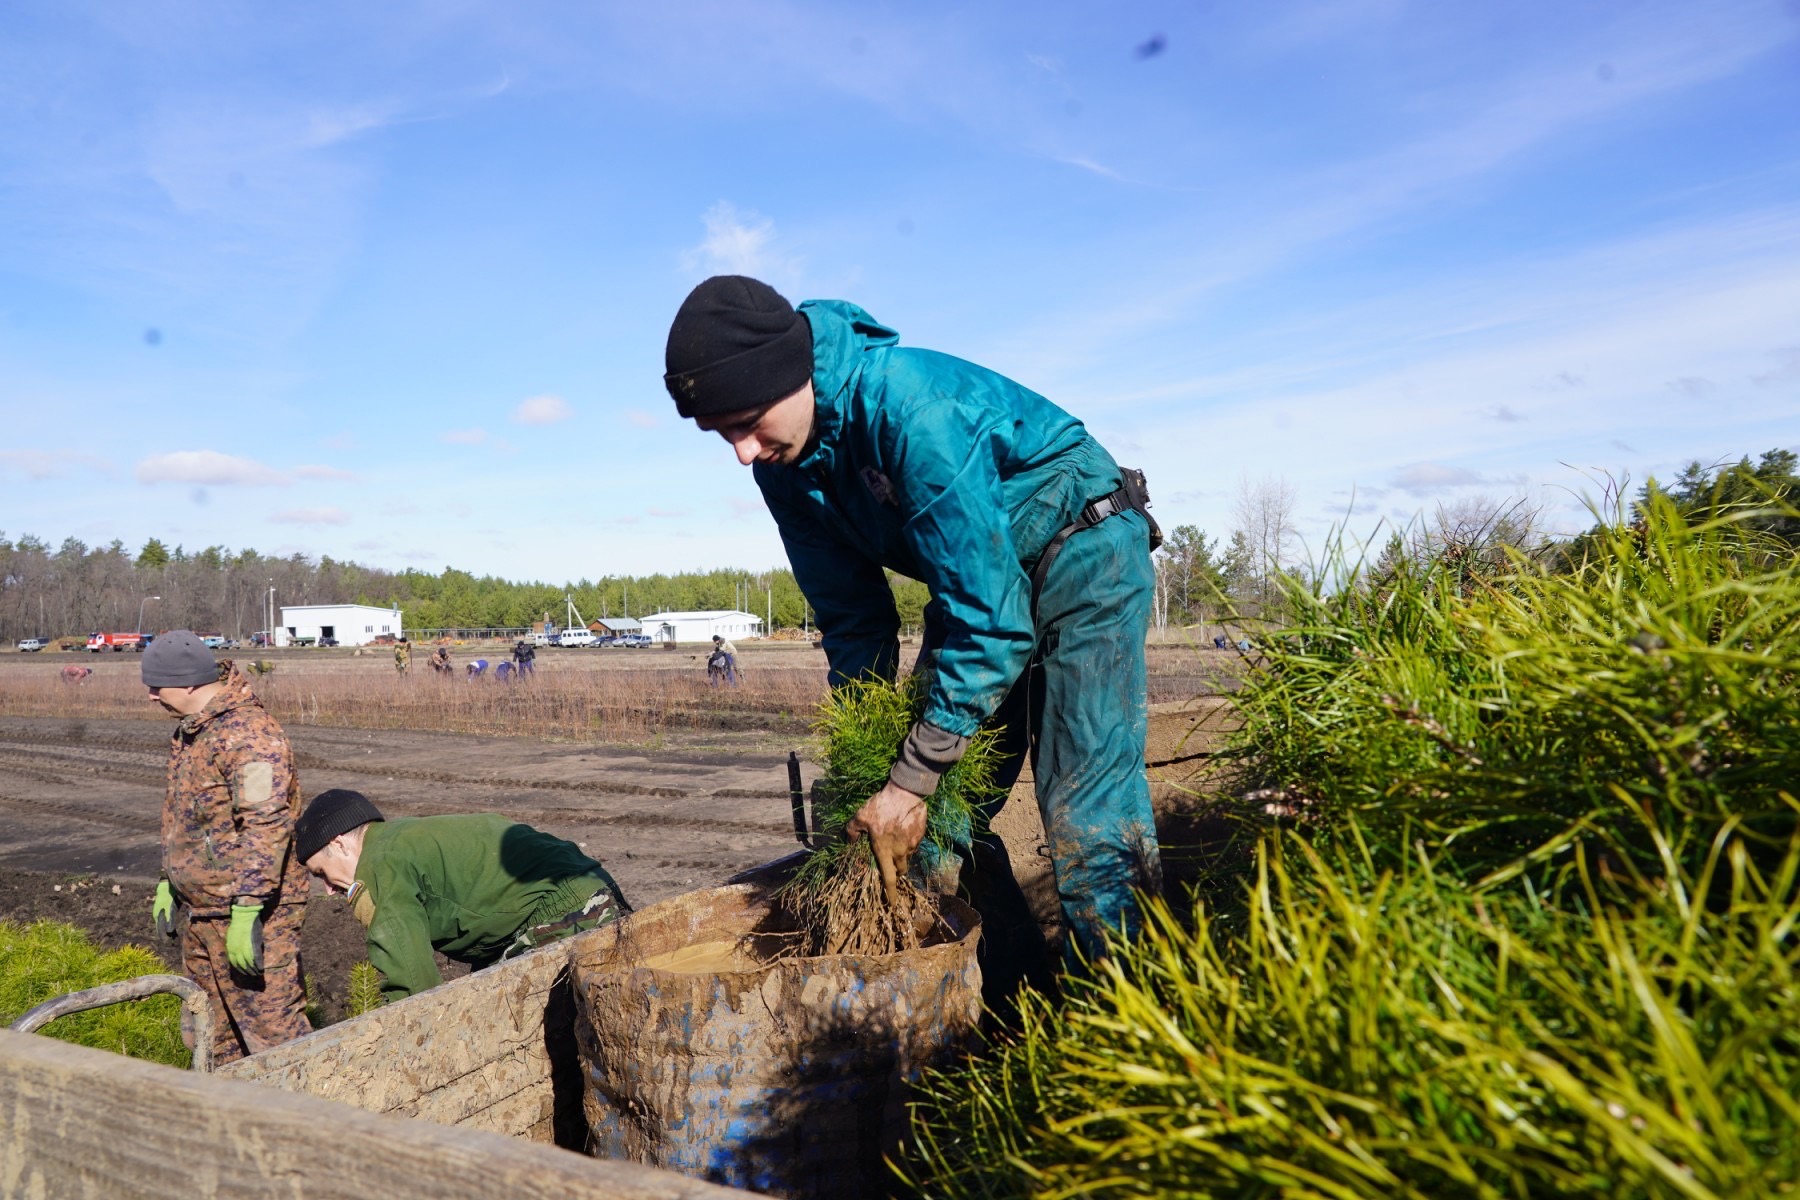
column 494, row 1050
column 83, row 1123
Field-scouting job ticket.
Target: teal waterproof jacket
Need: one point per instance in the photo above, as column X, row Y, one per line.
column 944, row 471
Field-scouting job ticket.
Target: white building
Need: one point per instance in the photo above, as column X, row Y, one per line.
column 350, row 624
column 699, row 627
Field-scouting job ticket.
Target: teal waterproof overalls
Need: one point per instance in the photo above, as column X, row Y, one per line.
column 958, row 477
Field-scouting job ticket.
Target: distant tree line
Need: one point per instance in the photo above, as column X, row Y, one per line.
column 1199, row 581
column 73, row 589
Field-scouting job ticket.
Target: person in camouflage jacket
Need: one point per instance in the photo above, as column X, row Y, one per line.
column 227, row 841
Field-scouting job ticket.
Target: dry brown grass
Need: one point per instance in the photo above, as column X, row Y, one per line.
column 622, row 705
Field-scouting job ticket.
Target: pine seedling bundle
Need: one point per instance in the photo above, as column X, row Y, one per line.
column 46, row 959
column 836, row 897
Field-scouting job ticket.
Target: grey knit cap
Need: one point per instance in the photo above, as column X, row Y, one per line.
column 178, row 659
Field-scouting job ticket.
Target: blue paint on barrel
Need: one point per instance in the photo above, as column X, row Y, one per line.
column 790, row 1080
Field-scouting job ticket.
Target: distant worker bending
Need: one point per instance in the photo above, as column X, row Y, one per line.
column 476, row 887
column 722, row 662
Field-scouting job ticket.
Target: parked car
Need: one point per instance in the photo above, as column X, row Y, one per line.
column 543, row 639
column 576, row 637
column 633, row 641
column 30, row 645
column 328, row 641
column 303, row 641
column 605, row 639
column 213, row 641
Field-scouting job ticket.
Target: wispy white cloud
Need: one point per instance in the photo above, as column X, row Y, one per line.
column 209, row 468
column 38, row 465
column 1423, row 479
column 311, row 516
column 463, row 437
column 1786, row 369
column 543, row 410
column 316, row 471
column 642, row 419
column 738, row 243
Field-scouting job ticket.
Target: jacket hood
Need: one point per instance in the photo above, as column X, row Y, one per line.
column 237, row 693
column 842, row 333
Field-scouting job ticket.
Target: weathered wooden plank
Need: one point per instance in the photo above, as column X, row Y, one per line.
column 469, row 1046
column 84, row 1124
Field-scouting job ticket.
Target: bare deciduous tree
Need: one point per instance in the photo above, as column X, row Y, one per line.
column 1264, row 513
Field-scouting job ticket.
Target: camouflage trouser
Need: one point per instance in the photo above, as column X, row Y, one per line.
column 603, row 908
column 250, row 1012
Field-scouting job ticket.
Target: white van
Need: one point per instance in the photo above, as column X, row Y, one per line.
column 576, row 637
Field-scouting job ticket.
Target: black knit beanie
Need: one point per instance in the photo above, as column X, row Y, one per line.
column 735, row 344
column 328, row 814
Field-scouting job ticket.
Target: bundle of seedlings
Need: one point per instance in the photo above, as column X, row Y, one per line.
column 837, row 900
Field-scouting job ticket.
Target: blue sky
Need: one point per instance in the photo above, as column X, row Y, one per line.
column 391, row 282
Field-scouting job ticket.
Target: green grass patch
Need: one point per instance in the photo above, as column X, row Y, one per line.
column 47, row 959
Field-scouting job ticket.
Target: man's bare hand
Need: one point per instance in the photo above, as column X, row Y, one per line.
column 894, row 820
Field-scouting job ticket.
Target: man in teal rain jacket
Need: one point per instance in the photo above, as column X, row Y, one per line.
column 1034, row 543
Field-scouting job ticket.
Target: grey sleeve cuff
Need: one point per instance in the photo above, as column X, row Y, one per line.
column 924, row 757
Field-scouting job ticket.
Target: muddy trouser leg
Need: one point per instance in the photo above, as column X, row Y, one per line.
column 1092, row 617
column 1012, row 952
column 250, row 1012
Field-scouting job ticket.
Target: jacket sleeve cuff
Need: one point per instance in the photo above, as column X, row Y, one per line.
column 924, row 757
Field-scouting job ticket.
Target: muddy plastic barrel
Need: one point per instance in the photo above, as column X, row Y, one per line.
column 789, row 1078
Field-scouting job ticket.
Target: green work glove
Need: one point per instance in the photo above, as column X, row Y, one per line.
column 162, row 909
column 244, row 940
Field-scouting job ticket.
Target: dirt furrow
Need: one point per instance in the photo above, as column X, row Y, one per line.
column 149, row 821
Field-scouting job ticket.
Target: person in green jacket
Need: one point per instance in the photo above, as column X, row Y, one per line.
column 1035, row 545
column 475, row 886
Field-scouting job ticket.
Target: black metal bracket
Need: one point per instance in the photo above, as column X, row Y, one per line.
column 797, row 798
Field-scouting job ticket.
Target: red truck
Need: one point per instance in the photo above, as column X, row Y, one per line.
column 115, row 642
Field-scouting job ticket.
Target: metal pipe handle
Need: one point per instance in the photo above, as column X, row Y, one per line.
column 196, row 1012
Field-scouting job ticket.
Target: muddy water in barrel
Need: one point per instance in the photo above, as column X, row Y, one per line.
column 705, row 958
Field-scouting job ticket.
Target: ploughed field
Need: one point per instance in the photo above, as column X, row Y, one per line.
column 671, row 784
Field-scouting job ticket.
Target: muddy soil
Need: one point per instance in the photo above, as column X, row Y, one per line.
column 80, row 802
column 80, row 805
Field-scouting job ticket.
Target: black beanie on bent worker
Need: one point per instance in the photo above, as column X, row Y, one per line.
column 736, row 343
column 328, row 814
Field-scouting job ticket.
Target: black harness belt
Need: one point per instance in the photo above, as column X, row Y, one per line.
column 1133, row 494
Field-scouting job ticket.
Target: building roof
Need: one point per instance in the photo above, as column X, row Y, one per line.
column 617, row 624
column 368, row 607
column 708, row 614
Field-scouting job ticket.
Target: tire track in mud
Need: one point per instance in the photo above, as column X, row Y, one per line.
column 120, row 759
column 152, row 759
column 38, row 764
column 602, row 787
column 150, row 822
